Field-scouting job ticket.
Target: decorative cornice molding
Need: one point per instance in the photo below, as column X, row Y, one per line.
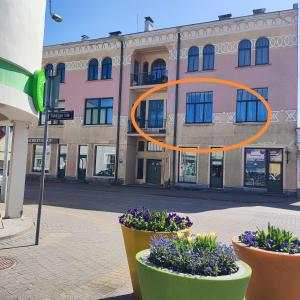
column 281, row 41
column 169, row 36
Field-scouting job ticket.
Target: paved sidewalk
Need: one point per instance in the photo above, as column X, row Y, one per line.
column 81, row 254
column 14, row 227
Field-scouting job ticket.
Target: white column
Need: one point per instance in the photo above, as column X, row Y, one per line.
column 5, row 164
column 17, row 171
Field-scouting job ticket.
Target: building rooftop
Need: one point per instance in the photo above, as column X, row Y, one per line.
column 257, row 13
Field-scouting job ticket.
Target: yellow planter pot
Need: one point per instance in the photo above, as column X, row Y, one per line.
column 136, row 241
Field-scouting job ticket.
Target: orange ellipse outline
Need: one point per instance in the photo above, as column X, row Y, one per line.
column 201, row 150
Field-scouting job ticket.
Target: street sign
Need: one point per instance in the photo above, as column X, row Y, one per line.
column 61, row 115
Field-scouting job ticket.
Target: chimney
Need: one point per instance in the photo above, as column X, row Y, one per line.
column 295, row 6
column 84, row 37
column 225, row 17
column 259, row 11
column 115, row 33
column 148, row 24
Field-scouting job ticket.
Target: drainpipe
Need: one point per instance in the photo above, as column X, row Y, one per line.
column 176, row 108
column 119, row 111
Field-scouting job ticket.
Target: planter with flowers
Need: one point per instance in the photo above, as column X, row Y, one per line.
column 140, row 225
column 191, row 268
column 274, row 256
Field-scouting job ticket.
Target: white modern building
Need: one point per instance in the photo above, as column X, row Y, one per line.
column 22, row 27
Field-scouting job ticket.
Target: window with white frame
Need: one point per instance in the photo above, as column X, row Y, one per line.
column 37, row 158
column 187, row 169
column 105, row 160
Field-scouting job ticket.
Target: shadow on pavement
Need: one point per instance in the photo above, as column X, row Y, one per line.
column 117, row 198
column 122, row 297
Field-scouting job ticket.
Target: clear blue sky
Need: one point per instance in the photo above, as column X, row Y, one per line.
column 96, row 18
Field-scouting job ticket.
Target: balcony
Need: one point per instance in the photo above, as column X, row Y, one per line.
column 157, row 126
column 155, row 77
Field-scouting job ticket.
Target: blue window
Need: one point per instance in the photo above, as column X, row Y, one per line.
column 208, row 57
column 93, row 69
column 193, row 59
column 61, row 70
column 199, row 107
column 249, row 108
column 262, row 51
column 244, row 53
column 156, row 114
column 98, row 111
column 158, row 70
column 106, row 68
column 49, row 70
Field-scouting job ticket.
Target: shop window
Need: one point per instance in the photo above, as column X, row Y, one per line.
column 199, row 107
column 255, row 167
column 105, row 159
column 98, row 111
column 37, row 158
column 187, row 167
column 140, row 169
column 250, row 108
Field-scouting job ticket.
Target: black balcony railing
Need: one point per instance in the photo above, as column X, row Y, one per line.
column 155, row 77
column 157, row 126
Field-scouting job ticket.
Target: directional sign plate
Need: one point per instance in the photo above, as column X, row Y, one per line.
column 61, row 115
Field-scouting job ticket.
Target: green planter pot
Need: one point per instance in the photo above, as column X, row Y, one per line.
column 163, row 285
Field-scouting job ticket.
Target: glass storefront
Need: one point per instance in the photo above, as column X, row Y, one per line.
column 37, row 158
column 255, row 167
column 105, row 157
column 187, row 167
column 263, row 168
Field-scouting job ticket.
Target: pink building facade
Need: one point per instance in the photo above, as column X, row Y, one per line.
column 102, row 78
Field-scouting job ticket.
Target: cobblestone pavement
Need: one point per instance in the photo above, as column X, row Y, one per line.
column 81, row 253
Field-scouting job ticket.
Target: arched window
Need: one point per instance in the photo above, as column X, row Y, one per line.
column 60, row 70
column 93, row 69
column 262, row 51
column 49, row 70
column 244, row 53
column 193, row 59
column 208, row 57
column 158, row 70
column 106, row 72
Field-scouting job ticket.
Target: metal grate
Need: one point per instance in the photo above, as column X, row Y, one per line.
column 6, row 262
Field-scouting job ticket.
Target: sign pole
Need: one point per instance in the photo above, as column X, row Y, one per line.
column 42, row 179
column 48, row 95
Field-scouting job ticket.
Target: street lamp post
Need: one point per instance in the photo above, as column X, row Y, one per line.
column 51, row 95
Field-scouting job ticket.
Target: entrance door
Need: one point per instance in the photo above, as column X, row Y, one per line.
column 216, row 169
column 62, row 160
column 274, row 182
column 82, row 162
column 153, row 171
